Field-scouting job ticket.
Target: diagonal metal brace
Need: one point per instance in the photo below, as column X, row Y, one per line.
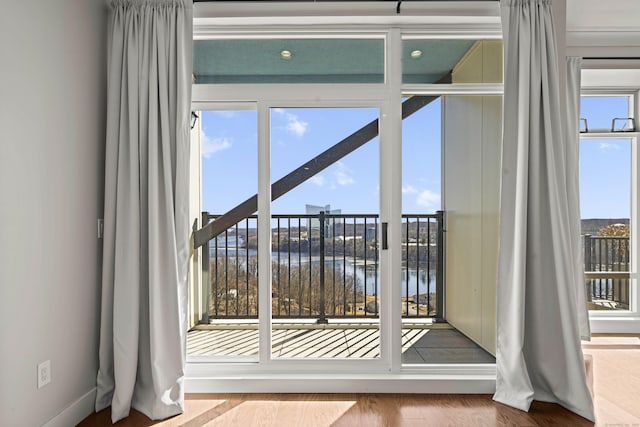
column 304, row 172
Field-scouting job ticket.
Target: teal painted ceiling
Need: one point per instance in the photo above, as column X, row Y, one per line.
column 320, row 60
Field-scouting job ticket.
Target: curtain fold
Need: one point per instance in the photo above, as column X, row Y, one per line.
column 574, row 65
column 146, row 224
column 539, row 356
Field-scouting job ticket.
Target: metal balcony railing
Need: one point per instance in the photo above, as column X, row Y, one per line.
column 606, row 266
column 323, row 266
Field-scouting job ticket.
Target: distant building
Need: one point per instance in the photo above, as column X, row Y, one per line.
column 332, row 227
column 371, row 233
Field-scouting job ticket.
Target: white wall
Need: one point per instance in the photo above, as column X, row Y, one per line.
column 52, row 103
column 472, row 148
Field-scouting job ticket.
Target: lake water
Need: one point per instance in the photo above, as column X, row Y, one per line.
column 413, row 281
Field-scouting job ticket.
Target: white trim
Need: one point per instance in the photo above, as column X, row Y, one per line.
column 274, row 92
column 443, row 19
column 603, row 37
column 447, row 16
column 391, row 166
column 454, row 89
column 223, row 106
column 76, row 412
column 482, row 381
column 386, row 373
column 610, row 80
column 619, row 325
column 604, row 64
column 616, row 82
column 264, row 233
column 609, row 135
column 300, row 368
column 282, row 10
column 244, row 94
column 442, row 27
column 634, row 296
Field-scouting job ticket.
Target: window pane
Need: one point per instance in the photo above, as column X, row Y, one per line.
column 289, row 61
column 605, row 195
column 325, row 272
column 600, row 111
column 451, row 61
column 229, row 148
column 229, row 160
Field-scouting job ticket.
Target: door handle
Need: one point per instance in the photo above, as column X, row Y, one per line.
column 385, row 243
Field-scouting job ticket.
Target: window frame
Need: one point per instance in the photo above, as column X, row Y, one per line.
column 388, row 371
column 611, row 81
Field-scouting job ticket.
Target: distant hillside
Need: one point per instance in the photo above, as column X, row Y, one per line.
column 593, row 226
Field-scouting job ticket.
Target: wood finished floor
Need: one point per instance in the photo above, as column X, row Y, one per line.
column 614, row 374
column 349, row 410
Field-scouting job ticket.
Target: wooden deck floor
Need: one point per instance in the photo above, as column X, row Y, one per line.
column 419, row 345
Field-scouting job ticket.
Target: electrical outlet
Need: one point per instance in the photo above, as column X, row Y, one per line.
column 44, row 373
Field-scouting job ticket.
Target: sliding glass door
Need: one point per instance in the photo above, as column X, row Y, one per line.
column 325, row 233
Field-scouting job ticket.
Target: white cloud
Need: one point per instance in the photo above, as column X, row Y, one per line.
column 342, row 175
column 428, row 199
column 294, row 124
column 296, row 127
column 605, row 146
column 210, row 146
column 317, row 180
column 409, row 189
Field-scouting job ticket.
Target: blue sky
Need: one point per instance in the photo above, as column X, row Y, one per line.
column 229, row 160
column 605, row 165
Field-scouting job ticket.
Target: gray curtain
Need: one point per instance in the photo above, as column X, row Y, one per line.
column 146, row 229
column 539, row 356
column 574, row 65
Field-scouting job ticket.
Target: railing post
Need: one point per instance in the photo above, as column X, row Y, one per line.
column 587, row 264
column 322, row 319
column 206, row 277
column 440, row 315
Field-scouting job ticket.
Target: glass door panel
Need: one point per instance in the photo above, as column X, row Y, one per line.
column 450, row 163
column 421, row 220
column 325, row 233
column 229, row 159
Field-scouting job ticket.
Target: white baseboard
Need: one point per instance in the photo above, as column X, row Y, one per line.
column 76, row 412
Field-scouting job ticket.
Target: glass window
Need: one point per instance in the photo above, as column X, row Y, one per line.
column 605, row 204
column 605, row 114
column 229, row 160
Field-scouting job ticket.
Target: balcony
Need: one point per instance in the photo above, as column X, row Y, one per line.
column 607, row 272
column 325, row 296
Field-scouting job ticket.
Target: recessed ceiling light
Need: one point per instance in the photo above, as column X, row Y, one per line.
column 285, row 54
column 415, row 54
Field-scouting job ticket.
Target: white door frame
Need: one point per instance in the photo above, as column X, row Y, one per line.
column 386, row 374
